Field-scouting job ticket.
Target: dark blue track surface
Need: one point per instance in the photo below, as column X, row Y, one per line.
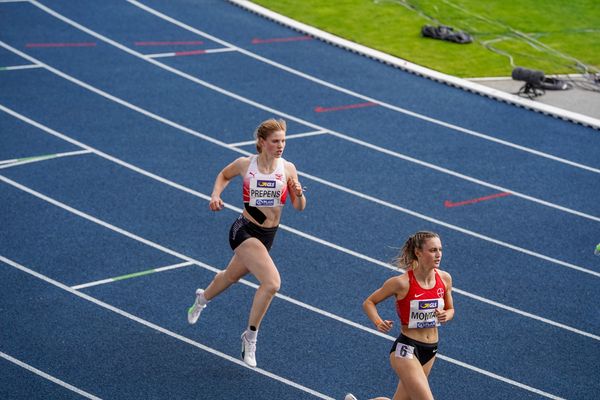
column 156, row 131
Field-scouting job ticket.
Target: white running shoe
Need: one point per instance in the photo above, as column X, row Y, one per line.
column 248, row 351
column 350, row 396
column 195, row 310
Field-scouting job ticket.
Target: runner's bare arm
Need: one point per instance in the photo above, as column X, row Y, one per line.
column 235, row 168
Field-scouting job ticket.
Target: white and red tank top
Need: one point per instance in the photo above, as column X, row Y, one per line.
column 265, row 190
column 417, row 308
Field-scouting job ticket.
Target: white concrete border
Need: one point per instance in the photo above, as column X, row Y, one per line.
column 419, row 70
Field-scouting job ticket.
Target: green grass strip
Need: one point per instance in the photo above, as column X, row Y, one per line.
column 555, row 36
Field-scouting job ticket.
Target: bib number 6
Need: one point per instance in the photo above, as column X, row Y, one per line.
column 404, row 351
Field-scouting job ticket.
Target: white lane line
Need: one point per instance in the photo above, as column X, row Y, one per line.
column 307, row 236
column 527, row 314
column 161, row 329
column 19, row 67
column 473, row 296
column 243, row 281
column 456, row 290
column 285, row 227
column 235, row 149
column 132, row 275
column 287, row 137
column 169, row 251
column 465, row 177
column 358, row 95
column 325, row 182
column 299, row 120
column 189, row 53
column 205, row 197
column 28, row 160
column 42, row 373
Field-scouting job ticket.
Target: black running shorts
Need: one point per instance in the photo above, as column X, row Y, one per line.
column 423, row 351
column 243, row 229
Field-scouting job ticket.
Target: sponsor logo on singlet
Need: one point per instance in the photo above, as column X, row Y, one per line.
column 265, row 184
column 428, row 305
column 422, row 313
column 265, row 202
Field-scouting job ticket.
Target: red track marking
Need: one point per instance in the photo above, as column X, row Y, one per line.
column 195, row 42
column 278, row 40
column 189, row 53
column 346, row 107
column 89, row 44
column 449, row 204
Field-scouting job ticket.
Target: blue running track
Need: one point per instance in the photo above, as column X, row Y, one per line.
column 115, row 118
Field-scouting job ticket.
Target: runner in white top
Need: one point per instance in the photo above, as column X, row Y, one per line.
column 268, row 179
column 265, row 190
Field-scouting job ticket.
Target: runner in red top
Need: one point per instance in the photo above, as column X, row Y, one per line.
column 423, row 302
column 417, row 308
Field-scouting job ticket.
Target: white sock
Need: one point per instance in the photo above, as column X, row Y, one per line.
column 251, row 335
column 202, row 300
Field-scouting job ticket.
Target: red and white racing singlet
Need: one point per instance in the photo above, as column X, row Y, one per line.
column 417, row 308
column 265, row 190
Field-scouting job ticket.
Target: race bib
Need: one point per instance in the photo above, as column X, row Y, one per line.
column 422, row 313
column 265, row 192
column 404, row 351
